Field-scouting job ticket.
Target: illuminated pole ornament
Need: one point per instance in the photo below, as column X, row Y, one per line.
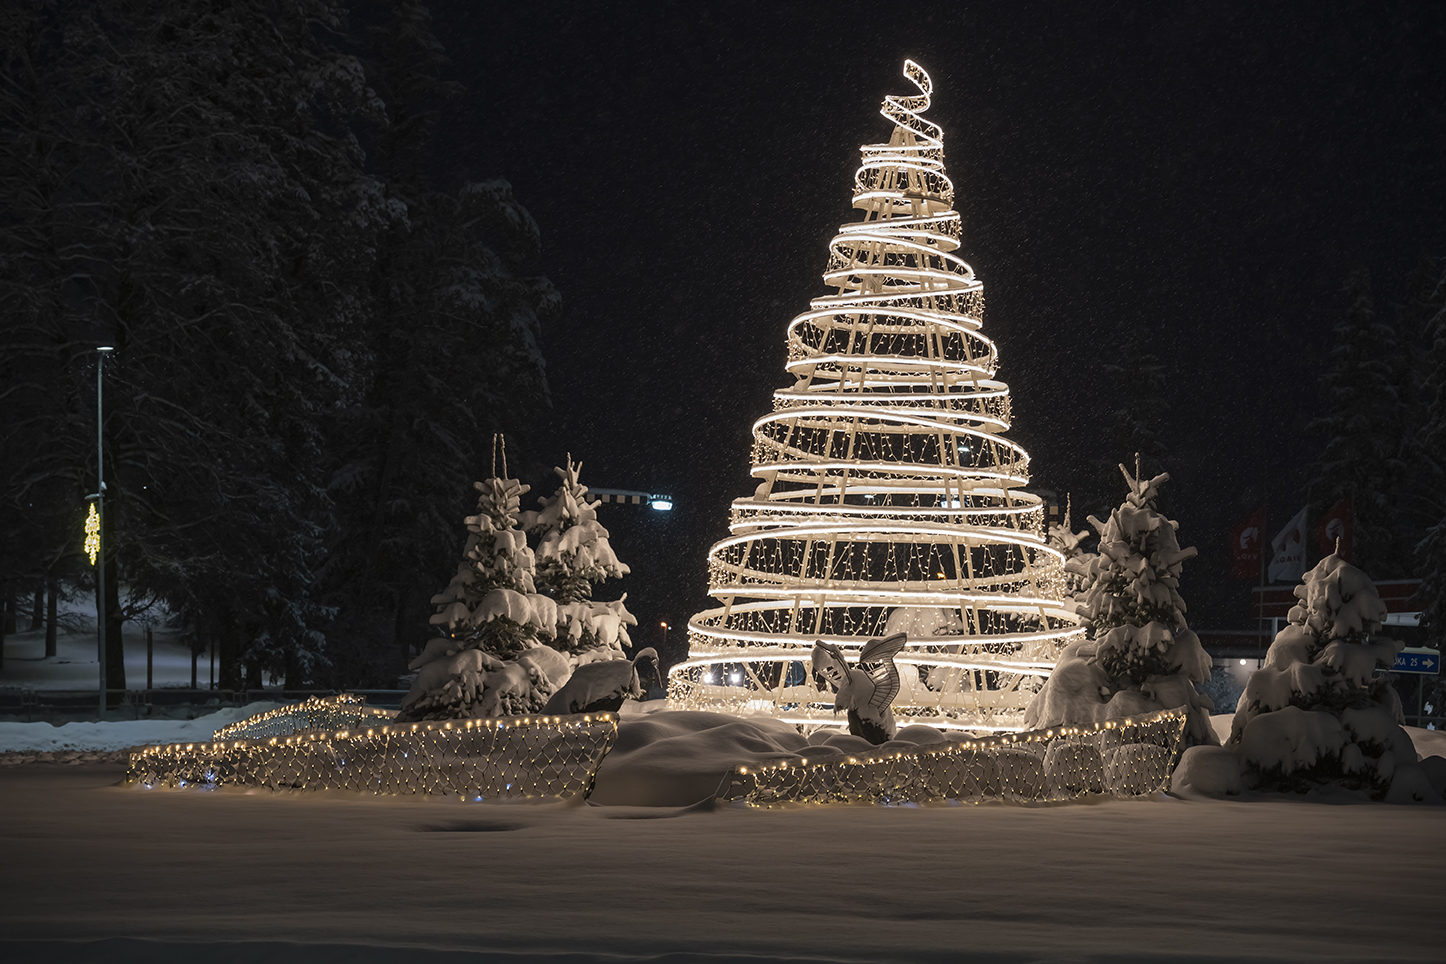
column 889, row 499
column 92, row 534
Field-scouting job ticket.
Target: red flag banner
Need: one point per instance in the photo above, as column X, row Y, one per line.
column 1245, row 545
column 1336, row 524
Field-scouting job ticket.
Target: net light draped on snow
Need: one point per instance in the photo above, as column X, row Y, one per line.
column 889, row 497
column 301, row 747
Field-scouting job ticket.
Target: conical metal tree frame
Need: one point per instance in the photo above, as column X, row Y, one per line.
column 889, row 497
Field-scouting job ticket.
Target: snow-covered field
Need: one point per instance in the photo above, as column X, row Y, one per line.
column 73, row 667
column 42, row 737
column 265, row 877
column 96, row 871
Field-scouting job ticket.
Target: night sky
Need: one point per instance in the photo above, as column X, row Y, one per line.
column 1210, row 173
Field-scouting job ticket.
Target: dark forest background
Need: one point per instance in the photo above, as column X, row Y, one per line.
column 1205, row 236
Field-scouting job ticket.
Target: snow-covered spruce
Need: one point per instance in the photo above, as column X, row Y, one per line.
column 492, row 660
column 573, row 553
column 1077, row 560
column 1139, row 656
column 1316, row 714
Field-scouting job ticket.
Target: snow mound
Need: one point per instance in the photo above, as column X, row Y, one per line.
column 1412, row 784
column 1210, row 770
column 675, row 758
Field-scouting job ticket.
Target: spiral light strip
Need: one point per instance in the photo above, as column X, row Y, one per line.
column 886, row 481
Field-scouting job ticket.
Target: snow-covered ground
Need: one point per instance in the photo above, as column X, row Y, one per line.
column 112, row 735
column 173, row 876
column 73, row 667
column 97, row 871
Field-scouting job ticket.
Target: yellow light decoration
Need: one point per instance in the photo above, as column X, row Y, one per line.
column 1130, row 757
column 92, row 533
column 339, row 712
column 543, row 757
column 888, row 497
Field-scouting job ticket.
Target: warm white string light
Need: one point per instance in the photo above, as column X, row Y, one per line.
column 495, row 758
column 344, row 711
column 1129, row 757
column 886, row 483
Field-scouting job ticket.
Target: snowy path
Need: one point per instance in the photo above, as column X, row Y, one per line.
column 1164, row 879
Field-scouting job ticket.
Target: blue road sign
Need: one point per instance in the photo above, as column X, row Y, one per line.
column 1418, row 661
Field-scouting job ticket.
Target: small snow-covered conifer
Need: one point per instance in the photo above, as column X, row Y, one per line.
column 1316, row 713
column 1139, row 655
column 1076, row 559
column 492, row 660
column 573, row 553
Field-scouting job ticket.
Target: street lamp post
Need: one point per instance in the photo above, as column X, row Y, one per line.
column 665, row 636
column 100, row 633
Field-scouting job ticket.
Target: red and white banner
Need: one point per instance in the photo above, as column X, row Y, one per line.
column 1287, row 562
column 1245, row 537
column 1335, row 530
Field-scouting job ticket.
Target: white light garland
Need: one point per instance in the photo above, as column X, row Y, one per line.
column 345, row 711
column 516, row 757
column 1129, row 757
column 886, row 484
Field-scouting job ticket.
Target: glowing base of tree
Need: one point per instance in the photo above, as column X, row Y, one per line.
column 977, row 689
column 889, row 499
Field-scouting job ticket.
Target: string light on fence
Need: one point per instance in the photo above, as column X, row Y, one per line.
column 1124, row 758
column 887, row 493
column 339, row 712
column 486, row 759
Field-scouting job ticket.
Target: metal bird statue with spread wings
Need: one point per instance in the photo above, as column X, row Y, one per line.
column 865, row 690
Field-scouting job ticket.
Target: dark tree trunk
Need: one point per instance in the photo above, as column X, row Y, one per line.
column 37, row 611
column 229, row 643
column 115, row 658
column 9, row 608
column 292, row 670
column 52, row 589
column 400, row 631
column 195, row 654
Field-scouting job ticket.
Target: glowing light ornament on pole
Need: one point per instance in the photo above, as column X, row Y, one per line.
column 889, row 499
column 92, row 534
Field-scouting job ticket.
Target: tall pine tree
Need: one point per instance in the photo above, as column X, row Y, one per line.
column 451, row 345
column 1360, row 459
column 193, row 183
column 1137, row 405
column 46, row 405
column 1428, row 499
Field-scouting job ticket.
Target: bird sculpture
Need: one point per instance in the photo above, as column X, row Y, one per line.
column 600, row 686
column 865, row 690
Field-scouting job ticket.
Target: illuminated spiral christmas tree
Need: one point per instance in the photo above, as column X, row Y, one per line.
column 889, row 498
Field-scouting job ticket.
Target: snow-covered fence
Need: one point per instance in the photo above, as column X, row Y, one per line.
column 344, row 711
column 1127, row 757
column 490, row 759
